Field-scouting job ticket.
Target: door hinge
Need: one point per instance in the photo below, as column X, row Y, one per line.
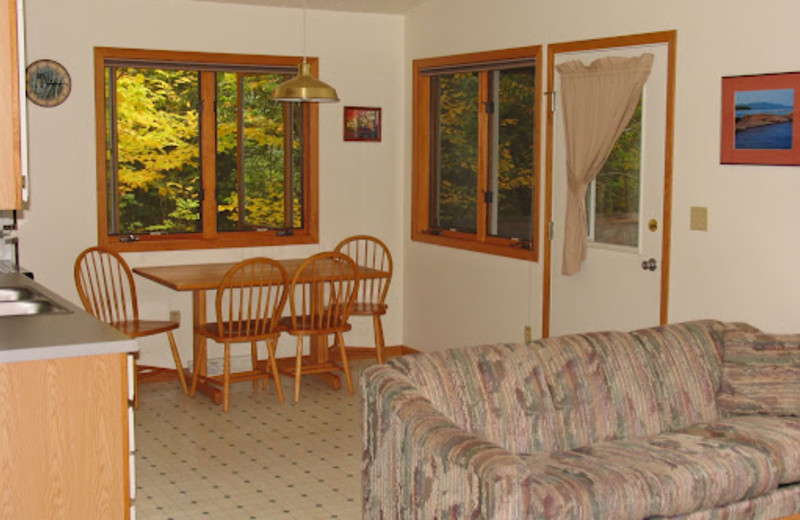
column 551, row 94
column 488, row 107
column 488, row 197
column 551, row 230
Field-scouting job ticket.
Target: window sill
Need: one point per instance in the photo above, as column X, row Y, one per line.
column 188, row 242
column 498, row 247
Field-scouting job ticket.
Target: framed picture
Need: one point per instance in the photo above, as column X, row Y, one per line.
column 362, row 124
column 758, row 124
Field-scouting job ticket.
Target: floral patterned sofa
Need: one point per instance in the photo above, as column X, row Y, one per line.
column 695, row 420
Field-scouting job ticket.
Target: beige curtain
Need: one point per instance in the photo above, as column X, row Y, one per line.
column 598, row 101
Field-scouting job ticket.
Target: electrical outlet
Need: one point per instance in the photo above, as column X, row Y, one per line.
column 527, row 333
column 175, row 316
column 698, row 218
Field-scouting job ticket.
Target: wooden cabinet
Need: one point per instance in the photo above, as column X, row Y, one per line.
column 64, row 438
column 10, row 136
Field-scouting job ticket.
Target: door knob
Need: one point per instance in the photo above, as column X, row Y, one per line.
column 650, row 265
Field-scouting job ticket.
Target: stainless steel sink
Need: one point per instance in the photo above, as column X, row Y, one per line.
column 12, row 294
column 24, row 301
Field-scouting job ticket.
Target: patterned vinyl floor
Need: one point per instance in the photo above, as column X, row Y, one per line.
column 261, row 460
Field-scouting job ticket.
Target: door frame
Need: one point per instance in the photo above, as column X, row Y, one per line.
column 669, row 38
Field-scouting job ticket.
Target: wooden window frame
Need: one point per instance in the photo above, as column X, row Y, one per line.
column 209, row 237
column 480, row 241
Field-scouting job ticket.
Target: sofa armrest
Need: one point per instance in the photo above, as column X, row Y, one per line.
column 419, row 464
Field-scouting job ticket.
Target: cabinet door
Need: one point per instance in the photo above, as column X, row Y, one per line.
column 10, row 155
column 64, row 438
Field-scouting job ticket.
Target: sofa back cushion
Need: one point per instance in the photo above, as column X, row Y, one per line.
column 570, row 391
column 495, row 391
column 685, row 368
column 761, row 374
column 600, row 387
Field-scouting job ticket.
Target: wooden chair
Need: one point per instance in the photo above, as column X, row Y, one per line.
column 321, row 296
column 105, row 286
column 250, row 299
column 372, row 253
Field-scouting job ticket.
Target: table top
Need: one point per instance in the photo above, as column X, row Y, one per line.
column 193, row 277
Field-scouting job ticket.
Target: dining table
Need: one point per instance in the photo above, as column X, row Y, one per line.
column 201, row 278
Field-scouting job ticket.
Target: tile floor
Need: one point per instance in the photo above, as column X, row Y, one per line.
column 261, row 460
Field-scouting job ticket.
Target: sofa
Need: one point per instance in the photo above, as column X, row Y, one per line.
column 695, row 420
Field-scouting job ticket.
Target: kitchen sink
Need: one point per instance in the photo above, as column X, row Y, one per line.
column 12, row 294
column 24, row 301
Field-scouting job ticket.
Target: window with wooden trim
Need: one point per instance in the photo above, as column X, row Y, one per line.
column 193, row 152
column 476, row 152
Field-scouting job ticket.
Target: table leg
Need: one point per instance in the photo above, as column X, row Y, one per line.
column 318, row 352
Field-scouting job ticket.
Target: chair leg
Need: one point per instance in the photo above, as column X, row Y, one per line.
column 272, row 345
column 199, row 362
column 254, row 363
column 298, row 368
column 178, row 364
column 377, row 325
column 226, row 379
column 345, row 364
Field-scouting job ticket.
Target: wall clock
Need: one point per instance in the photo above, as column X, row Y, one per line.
column 47, row 83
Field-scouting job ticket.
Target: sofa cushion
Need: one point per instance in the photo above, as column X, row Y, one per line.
column 495, row 391
column 779, row 437
column 575, row 486
column 601, row 387
column 667, row 474
column 761, row 374
column 685, row 473
column 782, row 502
column 684, row 364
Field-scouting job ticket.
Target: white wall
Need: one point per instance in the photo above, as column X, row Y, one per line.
column 360, row 55
column 742, row 268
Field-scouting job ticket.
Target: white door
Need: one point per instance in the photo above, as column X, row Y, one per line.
column 620, row 283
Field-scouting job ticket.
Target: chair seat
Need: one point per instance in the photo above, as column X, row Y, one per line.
column 368, row 308
column 140, row 328
column 285, row 325
column 246, row 332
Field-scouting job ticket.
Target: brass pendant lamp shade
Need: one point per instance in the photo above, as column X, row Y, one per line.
column 305, row 87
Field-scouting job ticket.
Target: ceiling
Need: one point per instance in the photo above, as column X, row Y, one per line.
column 357, row 6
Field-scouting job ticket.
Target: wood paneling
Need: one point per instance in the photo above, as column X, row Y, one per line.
column 63, row 438
column 10, row 159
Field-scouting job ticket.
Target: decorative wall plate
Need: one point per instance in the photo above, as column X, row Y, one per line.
column 47, row 83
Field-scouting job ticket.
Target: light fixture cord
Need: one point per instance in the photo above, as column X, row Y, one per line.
column 304, row 31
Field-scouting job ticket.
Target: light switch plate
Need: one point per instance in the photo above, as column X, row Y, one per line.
column 699, row 218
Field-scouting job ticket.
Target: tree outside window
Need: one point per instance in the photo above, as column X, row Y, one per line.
column 475, row 172
column 197, row 153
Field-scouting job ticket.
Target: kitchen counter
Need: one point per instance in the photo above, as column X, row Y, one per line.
column 55, row 335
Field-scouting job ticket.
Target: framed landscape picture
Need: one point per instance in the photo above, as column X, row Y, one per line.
column 362, row 124
column 758, row 123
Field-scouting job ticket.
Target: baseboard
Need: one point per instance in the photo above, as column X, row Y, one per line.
column 242, row 363
column 369, row 352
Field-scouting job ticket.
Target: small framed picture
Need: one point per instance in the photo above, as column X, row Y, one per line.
column 362, row 124
column 758, row 124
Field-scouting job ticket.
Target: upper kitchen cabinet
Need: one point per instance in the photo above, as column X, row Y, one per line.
column 10, row 133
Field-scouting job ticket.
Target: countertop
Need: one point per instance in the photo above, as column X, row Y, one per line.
column 56, row 335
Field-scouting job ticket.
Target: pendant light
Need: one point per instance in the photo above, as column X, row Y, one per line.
column 304, row 87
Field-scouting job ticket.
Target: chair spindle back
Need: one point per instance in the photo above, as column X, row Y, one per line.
column 370, row 252
column 105, row 285
column 322, row 292
column 251, row 298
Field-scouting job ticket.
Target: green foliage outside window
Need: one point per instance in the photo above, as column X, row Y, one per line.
column 154, row 146
column 157, row 185
column 617, row 188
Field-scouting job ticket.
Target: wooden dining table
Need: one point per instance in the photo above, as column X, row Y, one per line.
column 201, row 278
